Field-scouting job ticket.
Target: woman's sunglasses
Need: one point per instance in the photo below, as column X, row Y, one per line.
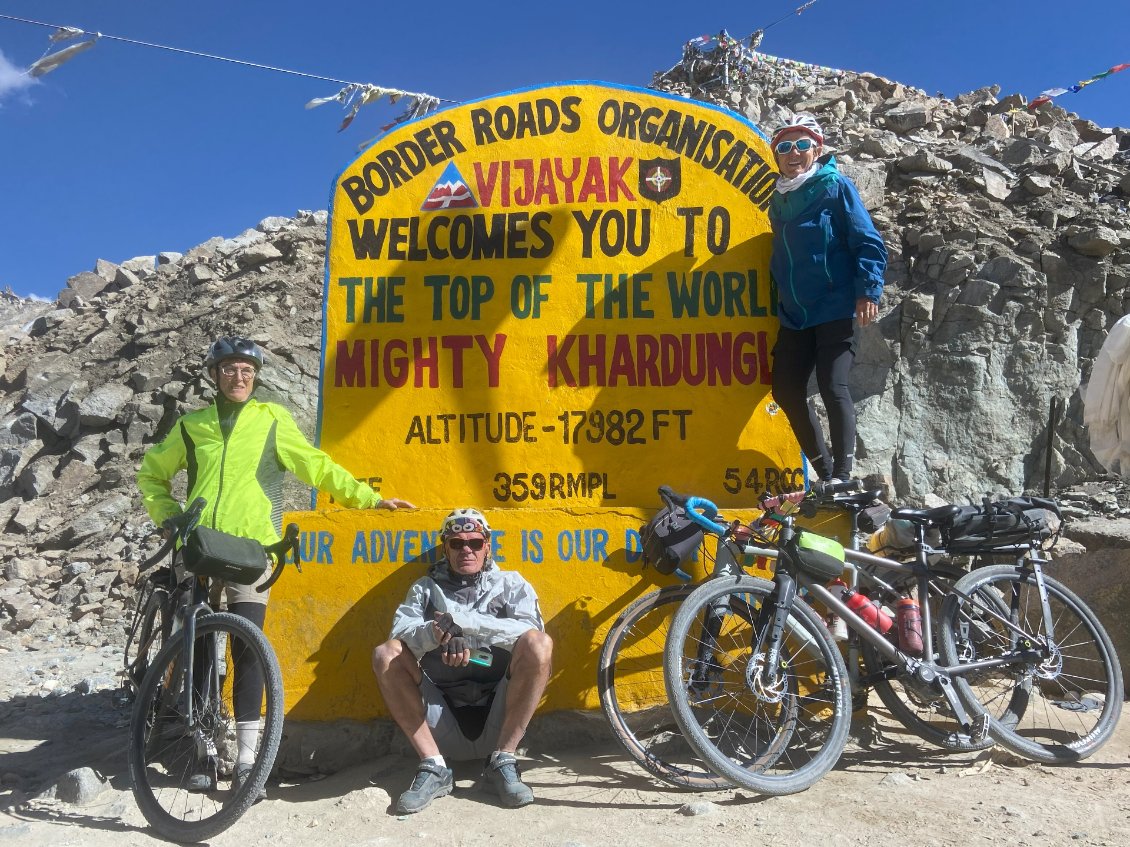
column 801, row 144
column 476, row 544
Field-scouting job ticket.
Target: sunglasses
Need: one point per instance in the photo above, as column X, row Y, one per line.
column 475, row 544
column 801, row 144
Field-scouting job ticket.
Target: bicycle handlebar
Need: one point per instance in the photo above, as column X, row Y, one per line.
column 278, row 552
column 179, row 526
column 705, row 517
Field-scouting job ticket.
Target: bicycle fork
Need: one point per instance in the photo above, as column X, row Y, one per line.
column 197, row 694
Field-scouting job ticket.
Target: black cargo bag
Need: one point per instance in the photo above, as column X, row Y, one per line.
column 670, row 539
column 209, row 552
column 1018, row 520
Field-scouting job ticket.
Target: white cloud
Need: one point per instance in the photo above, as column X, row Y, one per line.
column 12, row 79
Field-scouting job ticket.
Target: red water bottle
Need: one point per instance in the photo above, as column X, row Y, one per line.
column 910, row 626
column 875, row 615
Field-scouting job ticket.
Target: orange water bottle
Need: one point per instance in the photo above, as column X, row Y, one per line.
column 909, row 626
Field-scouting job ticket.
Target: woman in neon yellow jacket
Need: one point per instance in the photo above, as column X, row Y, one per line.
column 235, row 453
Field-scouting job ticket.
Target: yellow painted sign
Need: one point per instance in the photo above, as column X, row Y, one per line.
column 544, row 304
column 556, row 297
column 358, row 566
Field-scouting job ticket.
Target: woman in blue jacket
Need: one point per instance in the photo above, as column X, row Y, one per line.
column 827, row 264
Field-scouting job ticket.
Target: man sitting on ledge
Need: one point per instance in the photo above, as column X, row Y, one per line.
column 465, row 666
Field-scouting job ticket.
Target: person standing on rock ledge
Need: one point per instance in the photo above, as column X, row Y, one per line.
column 235, row 452
column 465, row 666
column 828, row 263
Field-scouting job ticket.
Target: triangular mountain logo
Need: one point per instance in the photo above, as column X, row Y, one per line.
column 450, row 192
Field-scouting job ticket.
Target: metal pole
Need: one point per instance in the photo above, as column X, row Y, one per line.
column 1052, row 417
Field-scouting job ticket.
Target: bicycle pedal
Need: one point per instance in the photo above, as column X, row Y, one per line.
column 979, row 728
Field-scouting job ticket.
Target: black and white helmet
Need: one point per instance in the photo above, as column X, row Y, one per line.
column 464, row 520
column 230, row 347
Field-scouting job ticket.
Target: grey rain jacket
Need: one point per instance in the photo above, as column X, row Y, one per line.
column 494, row 608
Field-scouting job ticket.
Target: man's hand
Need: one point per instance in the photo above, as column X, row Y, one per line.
column 865, row 311
column 394, row 503
column 454, row 649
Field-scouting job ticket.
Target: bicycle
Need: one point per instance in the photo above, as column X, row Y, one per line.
column 759, row 689
column 184, row 738
column 630, row 673
column 1059, row 697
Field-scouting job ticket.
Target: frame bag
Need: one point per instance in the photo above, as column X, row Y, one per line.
column 209, row 552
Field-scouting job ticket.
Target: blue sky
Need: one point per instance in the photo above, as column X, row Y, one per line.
column 129, row 150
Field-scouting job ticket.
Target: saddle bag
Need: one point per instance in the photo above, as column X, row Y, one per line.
column 209, row 552
column 1001, row 523
column 670, row 539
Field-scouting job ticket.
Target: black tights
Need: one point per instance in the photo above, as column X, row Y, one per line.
column 247, row 689
column 827, row 349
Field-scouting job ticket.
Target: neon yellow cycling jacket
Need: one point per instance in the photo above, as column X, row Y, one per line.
column 241, row 479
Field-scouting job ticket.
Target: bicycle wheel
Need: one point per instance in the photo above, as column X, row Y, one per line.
column 166, row 753
column 154, row 623
column 632, row 695
column 774, row 739
column 920, row 707
column 1059, row 697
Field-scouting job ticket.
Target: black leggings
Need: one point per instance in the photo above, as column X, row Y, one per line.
column 829, row 350
column 247, row 688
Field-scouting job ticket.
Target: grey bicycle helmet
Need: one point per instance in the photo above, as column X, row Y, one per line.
column 464, row 520
column 230, row 347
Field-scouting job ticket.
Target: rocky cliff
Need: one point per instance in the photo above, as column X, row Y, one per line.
column 1010, row 256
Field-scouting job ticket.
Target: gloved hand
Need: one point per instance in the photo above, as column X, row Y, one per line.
column 447, row 625
column 454, row 650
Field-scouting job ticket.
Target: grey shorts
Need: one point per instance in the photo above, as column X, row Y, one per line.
column 453, row 744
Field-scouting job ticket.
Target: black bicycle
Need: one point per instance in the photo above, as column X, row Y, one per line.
column 185, row 741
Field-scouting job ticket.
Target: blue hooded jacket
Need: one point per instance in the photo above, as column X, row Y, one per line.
column 826, row 251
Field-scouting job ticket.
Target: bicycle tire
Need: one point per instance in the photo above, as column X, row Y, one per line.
column 919, row 707
column 774, row 742
column 1057, row 710
column 164, row 754
column 152, row 633
column 634, row 699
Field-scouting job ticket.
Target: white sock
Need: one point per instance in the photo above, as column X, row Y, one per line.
column 435, row 760
column 247, row 738
column 495, row 755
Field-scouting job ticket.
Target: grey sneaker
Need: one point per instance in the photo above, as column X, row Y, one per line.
column 431, row 781
column 503, row 778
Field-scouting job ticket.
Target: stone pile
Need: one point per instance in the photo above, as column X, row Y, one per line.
column 95, row 378
column 1009, row 258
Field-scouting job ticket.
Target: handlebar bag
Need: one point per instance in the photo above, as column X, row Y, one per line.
column 209, row 552
column 670, row 539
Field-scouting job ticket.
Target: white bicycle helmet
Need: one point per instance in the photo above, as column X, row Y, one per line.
column 464, row 520
column 802, row 121
column 230, row 347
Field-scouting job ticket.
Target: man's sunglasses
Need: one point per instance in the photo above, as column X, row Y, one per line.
column 476, row 544
column 801, row 144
